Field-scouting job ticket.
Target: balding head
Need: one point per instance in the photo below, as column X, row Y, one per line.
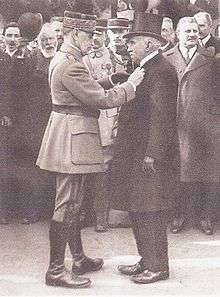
column 188, row 32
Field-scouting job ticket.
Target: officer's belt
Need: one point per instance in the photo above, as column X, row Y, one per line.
column 76, row 110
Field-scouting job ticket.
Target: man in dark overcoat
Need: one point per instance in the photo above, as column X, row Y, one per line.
column 198, row 123
column 145, row 168
column 5, row 130
column 71, row 145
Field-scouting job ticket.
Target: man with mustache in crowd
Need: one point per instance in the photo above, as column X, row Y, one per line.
column 71, row 146
column 23, row 183
column 12, row 37
column 145, row 175
column 100, row 66
column 5, row 128
column 198, row 125
column 38, row 109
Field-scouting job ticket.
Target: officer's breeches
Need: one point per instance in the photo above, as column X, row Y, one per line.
column 69, row 197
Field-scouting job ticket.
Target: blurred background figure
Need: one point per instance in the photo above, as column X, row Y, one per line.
column 12, row 38
column 217, row 31
column 57, row 25
column 30, row 25
column 120, row 59
column 99, row 64
column 168, row 32
column 205, row 23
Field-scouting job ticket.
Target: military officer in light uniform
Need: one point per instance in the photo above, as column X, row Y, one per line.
column 99, row 65
column 71, row 144
column 116, row 28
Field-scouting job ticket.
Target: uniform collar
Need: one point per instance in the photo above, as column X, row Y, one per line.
column 71, row 50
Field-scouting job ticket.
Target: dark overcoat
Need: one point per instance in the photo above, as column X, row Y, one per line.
column 198, row 116
column 5, row 110
column 147, row 127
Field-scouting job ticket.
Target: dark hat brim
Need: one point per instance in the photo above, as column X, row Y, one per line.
column 140, row 33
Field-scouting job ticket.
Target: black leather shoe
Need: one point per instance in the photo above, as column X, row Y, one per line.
column 206, row 227
column 148, row 277
column 86, row 264
column 66, row 279
column 177, row 225
column 131, row 269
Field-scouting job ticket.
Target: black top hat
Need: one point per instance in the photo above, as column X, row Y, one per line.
column 118, row 23
column 146, row 24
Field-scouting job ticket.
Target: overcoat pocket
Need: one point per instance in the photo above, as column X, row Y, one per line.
column 85, row 142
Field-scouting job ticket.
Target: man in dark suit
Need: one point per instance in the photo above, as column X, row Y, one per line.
column 198, row 125
column 204, row 21
column 145, row 170
column 5, row 131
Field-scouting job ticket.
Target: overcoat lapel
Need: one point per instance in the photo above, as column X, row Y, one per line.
column 199, row 59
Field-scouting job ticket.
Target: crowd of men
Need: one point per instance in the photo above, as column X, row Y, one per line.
column 126, row 113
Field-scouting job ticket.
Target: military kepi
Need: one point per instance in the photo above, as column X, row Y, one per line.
column 77, row 20
column 118, row 23
column 147, row 24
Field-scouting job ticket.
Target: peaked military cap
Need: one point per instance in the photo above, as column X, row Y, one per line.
column 118, row 23
column 81, row 21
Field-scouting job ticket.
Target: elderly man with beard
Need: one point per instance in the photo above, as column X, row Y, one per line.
column 57, row 25
column 37, row 111
column 71, row 146
column 145, row 165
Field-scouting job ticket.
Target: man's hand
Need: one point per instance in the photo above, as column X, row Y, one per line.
column 148, row 164
column 6, row 121
column 137, row 76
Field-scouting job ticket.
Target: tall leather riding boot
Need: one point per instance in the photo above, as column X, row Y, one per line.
column 81, row 263
column 57, row 275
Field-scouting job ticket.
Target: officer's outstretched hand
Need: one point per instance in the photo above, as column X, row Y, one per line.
column 136, row 77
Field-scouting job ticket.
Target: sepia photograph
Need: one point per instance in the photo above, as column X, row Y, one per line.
column 110, row 148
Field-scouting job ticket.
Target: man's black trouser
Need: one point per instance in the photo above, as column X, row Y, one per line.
column 150, row 234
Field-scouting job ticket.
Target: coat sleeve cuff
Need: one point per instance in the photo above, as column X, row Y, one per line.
column 129, row 91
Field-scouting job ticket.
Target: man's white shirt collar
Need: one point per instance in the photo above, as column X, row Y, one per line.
column 185, row 51
column 205, row 39
column 148, row 58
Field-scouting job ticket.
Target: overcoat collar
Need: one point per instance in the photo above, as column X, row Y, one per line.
column 198, row 60
column 72, row 50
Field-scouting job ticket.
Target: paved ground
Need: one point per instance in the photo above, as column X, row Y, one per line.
column 194, row 262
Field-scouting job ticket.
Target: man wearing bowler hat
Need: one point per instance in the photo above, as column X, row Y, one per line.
column 71, row 144
column 145, row 167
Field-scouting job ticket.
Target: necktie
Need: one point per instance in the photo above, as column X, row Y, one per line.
column 187, row 57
